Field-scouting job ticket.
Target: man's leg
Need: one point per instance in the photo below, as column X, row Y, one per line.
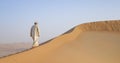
column 35, row 41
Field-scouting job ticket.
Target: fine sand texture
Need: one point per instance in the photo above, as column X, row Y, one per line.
column 96, row 42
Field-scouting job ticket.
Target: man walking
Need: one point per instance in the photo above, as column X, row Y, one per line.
column 34, row 33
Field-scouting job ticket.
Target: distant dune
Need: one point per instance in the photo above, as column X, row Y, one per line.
column 12, row 48
column 96, row 42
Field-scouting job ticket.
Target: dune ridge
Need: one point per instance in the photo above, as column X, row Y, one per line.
column 108, row 25
column 60, row 43
column 112, row 25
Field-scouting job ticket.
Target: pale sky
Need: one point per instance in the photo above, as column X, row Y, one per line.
column 54, row 16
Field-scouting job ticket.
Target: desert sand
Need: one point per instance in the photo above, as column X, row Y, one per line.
column 96, row 42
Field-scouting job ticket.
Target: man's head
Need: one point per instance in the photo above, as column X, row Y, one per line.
column 35, row 23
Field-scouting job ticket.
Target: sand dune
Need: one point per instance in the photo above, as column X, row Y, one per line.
column 96, row 42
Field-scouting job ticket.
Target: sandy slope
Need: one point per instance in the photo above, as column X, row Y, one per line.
column 97, row 42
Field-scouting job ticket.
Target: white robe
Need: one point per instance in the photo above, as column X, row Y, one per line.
column 35, row 35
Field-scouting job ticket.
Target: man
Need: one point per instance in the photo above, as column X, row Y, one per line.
column 34, row 33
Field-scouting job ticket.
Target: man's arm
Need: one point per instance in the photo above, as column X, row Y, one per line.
column 38, row 29
column 31, row 31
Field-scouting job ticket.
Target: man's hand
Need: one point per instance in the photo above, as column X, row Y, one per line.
column 30, row 35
